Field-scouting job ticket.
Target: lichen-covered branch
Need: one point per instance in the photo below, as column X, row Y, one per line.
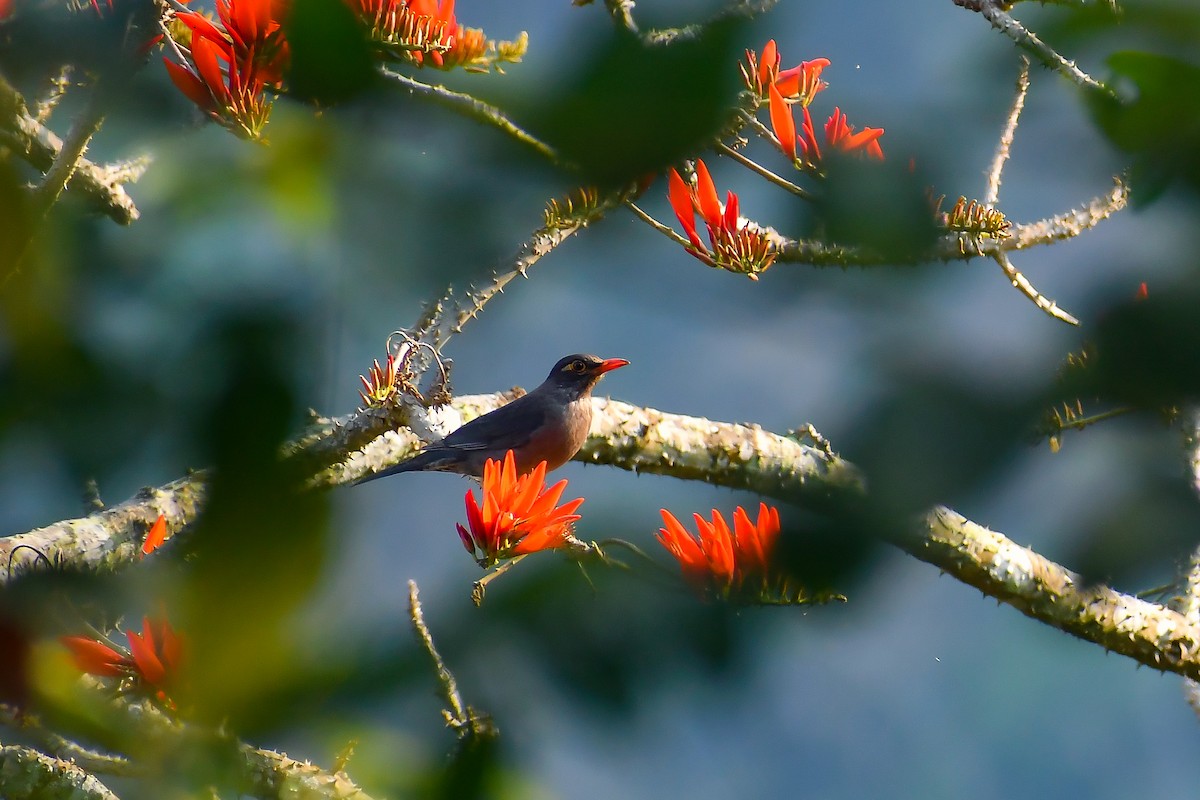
column 28, row 138
column 261, row 773
column 750, row 458
column 26, row 774
column 107, row 539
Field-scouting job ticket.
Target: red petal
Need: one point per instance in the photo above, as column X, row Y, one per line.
column 158, row 532
column 731, row 212
column 706, row 195
column 769, row 62
column 145, row 660
column 95, row 658
column 783, row 123
column 467, row 541
column 204, row 53
column 189, row 84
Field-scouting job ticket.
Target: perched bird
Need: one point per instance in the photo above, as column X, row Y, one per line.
column 548, row 424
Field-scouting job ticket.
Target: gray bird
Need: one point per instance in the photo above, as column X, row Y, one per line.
column 548, row 424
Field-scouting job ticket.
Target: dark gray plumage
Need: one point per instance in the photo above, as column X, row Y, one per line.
column 548, row 424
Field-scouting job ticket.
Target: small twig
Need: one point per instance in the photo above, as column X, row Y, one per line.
column 84, row 127
column 754, row 166
column 992, row 193
column 58, row 89
column 1022, row 284
column 759, row 128
column 1002, row 21
column 543, row 241
column 457, row 715
column 464, row 720
column 479, row 587
column 473, row 108
column 658, row 226
column 622, row 13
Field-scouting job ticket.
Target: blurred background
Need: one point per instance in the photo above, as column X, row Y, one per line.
column 261, row 281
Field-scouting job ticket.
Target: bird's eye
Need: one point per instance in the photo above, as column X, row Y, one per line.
column 577, row 366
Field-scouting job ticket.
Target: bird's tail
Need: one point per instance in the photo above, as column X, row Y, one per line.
column 418, row 462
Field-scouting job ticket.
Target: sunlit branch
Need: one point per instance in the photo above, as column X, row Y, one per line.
column 991, row 195
column 1022, row 284
column 758, row 169
column 473, row 108
column 1003, row 22
column 1067, row 225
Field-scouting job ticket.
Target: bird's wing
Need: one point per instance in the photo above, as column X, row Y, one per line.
column 506, row 428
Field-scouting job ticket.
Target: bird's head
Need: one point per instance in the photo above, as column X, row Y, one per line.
column 580, row 372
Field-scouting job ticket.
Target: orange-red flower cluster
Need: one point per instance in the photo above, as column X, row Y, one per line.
column 736, row 245
column 799, row 84
column 839, row 134
column 152, row 660
column 232, row 68
column 518, row 515
column 733, row 563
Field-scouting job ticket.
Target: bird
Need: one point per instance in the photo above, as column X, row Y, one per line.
column 548, row 424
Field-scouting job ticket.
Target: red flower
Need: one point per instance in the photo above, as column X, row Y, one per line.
column 838, row 133
column 736, row 562
column 518, row 515
column 96, row 658
column 231, row 70
column 800, row 84
column 152, row 660
column 736, row 245
column 441, row 13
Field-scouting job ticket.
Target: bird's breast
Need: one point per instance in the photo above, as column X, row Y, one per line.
column 560, row 438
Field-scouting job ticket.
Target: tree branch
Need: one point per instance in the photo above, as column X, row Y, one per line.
column 40, row 147
column 29, row 775
column 473, row 108
column 1027, row 40
column 750, row 458
column 991, row 194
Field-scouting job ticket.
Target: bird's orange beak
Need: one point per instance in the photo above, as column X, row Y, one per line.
column 609, row 364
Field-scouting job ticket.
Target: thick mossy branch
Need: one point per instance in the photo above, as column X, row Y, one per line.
column 750, row 458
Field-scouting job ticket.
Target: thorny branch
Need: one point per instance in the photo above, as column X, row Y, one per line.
column 28, row 138
column 473, row 108
column 991, row 194
column 463, row 719
column 1002, row 21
